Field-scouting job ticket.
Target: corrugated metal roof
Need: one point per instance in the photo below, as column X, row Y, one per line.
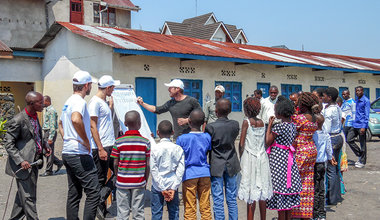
column 5, row 51
column 127, row 4
column 142, row 42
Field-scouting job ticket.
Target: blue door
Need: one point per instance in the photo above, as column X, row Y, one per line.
column 312, row 88
column 341, row 89
column 193, row 88
column 377, row 92
column 287, row 89
column 146, row 88
column 264, row 87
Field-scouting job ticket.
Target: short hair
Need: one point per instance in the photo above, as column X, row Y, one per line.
column 258, row 91
column 252, row 106
column 346, row 90
column 223, row 106
column 197, row 117
column 320, row 91
column 165, row 127
column 132, row 118
column 281, row 98
column 332, row 92
column 339, row 100
column 78, row 88
column 359, row 87
column 47, row 98
column 273, row 87
column 284, row 107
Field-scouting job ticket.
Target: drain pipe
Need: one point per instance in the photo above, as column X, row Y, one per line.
column 101, row 11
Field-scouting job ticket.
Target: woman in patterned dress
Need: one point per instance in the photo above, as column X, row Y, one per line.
column 306, row 153
column 286, row 179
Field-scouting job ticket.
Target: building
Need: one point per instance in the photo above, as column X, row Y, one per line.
column 148, row 60
column 23, row 24
column 205, row 27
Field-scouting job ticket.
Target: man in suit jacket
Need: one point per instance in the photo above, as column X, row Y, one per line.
column 224, row 162
column 23, row 142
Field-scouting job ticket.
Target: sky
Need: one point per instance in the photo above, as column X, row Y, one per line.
column 344, row 27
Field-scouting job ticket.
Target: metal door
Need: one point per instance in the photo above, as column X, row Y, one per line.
column 146, row 88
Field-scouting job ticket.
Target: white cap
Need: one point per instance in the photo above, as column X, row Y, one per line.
column 82, row 77
column 220, row 88
column 106, row 81
column 175, row 83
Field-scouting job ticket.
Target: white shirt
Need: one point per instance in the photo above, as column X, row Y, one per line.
column 97, row 107
column 267, row 109
column 71, row 138
column 333, row 119
column 167, row 165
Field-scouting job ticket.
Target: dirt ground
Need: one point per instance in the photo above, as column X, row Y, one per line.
column 361, row 201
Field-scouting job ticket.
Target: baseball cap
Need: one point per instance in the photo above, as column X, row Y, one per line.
column 106, row 81
column 82, row 77
column 175, row 83
column 220, row 88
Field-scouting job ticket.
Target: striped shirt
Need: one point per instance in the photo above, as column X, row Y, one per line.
column 133, row 152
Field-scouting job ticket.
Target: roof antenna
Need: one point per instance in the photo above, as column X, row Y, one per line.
column 303, row 49
column 196, row 7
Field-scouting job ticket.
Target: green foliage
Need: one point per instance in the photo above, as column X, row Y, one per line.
column 2, row 124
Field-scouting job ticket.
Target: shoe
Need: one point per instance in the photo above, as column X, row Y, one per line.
column 357, row 162
column 59, row 168
column 47, row 174
column 359, row 165
column 99, row 213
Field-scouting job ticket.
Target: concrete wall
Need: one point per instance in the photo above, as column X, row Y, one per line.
column 22, row 24
column 240, row 38
column 62, row 61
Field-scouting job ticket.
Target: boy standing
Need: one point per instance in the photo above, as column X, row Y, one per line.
column 167, row 164
column 224, row 162
column 196, row 178
column 131, row 165
column 323, row 143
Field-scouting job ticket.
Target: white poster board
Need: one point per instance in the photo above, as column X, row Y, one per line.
column 124, row 99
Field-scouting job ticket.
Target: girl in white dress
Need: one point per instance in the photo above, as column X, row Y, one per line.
column 255, row 184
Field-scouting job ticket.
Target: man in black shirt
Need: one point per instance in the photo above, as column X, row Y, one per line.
column 180, row 107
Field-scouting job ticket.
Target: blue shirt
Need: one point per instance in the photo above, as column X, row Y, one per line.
column 362, row 112
column 195, row 146
column 348, row 111
column 323, row 143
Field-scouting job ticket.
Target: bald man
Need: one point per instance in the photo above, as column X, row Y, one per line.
column 24, row 144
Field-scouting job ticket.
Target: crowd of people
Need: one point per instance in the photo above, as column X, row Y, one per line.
column 286, row 150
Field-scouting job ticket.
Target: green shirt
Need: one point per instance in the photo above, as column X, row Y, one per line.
column 50, row 121
column 209, row 110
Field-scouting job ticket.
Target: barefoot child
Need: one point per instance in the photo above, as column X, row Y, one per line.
column 255, row 184
column 284, row 171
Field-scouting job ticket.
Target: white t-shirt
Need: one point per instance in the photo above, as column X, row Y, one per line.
column 98, row 107
column 71, row 144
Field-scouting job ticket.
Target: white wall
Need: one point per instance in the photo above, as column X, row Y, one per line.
column 220, row 34
column 65, row 55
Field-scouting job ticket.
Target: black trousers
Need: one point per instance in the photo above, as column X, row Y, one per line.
column 51, row 159
column 81, row 175
column 361, row 152
column 26, row 197
column 102, row 166
column 319, row 194
column 333, row 193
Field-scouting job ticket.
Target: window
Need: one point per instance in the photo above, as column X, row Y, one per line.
column 108, row 16
column 377, row 92
column 217, row 39
column 193, row 88
column 312, row 88
column 233, row 93
column 287, row 89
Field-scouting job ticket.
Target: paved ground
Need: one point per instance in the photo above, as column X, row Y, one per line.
column 362, row 200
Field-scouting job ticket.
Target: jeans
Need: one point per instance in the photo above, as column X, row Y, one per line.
column 319, row 195
column 81, row 175
column 333, row 193
column 361, row 152
column 130, row 199
column 220, row 186
column 157, row 205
